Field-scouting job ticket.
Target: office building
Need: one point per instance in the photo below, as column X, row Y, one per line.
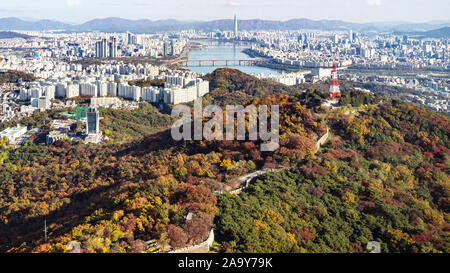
column 92, row 121
column 93, row 134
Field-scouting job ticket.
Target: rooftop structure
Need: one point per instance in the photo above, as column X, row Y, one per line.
column 13, row 133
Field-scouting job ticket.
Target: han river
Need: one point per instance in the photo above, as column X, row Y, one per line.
column 215, row 50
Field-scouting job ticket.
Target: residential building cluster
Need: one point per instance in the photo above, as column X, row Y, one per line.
column 180, row 87
column 425, row 90
column 96, row 44
column 323, row 49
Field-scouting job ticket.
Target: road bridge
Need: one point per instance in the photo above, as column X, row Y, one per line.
column 220, row 63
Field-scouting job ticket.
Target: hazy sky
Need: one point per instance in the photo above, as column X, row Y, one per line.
column 78, row 11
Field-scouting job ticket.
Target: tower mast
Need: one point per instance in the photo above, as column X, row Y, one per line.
column 335, row 91
column 235, row 26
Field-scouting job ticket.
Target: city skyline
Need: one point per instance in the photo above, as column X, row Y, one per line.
column 80, row 11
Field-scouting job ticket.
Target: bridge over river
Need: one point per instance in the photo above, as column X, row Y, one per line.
column 221, row 63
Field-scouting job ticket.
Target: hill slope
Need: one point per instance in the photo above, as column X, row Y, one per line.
column 383, row 176
column 233, row 86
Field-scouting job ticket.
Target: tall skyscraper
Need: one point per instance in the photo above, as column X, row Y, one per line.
column 168, row 48
column 235, row 26
column 92, row 121
column 104, row 48
column 98, row 49
column 132, row 39
column 113, row 48
column 350, row 36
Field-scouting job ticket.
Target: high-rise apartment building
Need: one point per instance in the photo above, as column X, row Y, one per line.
column 168, row 48
column 103, row 49
column 113, row 48
column 98, row 49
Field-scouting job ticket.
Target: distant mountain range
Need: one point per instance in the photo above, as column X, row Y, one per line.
column 436, row 33
column 115, row 24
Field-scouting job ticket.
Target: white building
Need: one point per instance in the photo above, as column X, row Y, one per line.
column 44, row 103
column 111, row 88
column 102, row 89
column 177, row 94
column 105, row 102
column 87, row 89
column 49, row 91
column 129, row 92
column 321, row 73
column 13, row 133
column 73, row 90
column 151, row 94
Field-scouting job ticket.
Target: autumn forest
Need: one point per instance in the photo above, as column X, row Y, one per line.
column 383, row 175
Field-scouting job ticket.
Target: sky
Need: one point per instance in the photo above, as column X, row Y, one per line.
column 361, row 11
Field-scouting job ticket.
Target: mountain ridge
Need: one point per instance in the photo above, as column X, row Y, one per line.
column 117, row 24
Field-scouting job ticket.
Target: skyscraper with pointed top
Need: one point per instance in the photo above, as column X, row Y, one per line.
column 235, row 26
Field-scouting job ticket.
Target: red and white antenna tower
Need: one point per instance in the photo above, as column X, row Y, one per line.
column 335, row 91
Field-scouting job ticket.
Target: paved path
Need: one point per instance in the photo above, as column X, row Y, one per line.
column 245, row 180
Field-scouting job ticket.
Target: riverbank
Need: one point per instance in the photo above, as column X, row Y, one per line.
column 225, row 50
column 191, row 46
column 270, row 63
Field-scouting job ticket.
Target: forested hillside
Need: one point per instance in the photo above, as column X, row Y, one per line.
column 14, row 76
column 125, row 125
column 113, row 198
column 231, row 86
column 383, row 175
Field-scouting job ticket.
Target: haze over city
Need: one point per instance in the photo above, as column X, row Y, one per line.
column 361, row 11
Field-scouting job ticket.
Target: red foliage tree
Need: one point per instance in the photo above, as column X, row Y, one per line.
column 197, row 198
column 198, row 228
column 177, row 237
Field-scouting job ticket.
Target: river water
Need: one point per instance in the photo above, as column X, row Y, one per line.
column 216, row 50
